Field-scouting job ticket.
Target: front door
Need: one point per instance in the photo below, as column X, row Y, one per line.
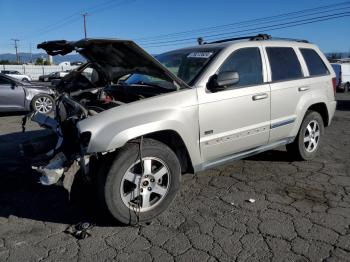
column 238, row 118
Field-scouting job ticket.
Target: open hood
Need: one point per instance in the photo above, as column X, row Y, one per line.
column 115, row 57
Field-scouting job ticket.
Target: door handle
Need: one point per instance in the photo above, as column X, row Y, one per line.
column 303, row 88
column 259, row 96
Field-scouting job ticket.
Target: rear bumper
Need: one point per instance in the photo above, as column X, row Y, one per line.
column 331, row 110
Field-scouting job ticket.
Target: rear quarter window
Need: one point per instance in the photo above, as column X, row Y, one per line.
column 314, row 62
column 284, row 63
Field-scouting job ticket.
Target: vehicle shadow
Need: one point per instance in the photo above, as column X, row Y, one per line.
column 22, row 196
column 272, row 156
column 15, row 113
column 343, row 105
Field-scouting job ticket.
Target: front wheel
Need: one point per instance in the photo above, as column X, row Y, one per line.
column 136, row 191
column 307, row 142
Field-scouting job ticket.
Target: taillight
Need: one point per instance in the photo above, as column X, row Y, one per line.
column 334, row 82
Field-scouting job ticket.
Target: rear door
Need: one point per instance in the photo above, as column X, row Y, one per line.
column 11, row 95
column 238, row 118
column 288, row 84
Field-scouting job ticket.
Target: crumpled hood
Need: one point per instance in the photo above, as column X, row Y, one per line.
column 116, row 57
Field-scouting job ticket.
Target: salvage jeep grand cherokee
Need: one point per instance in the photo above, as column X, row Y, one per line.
column 136, row 123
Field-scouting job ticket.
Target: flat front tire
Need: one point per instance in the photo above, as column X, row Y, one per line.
column 138, row 193
column 307, row 142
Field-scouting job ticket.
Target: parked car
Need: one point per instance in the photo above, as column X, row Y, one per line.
column 20, row 96
column 53, row 76
column 190, row 110
column 342, row 72
column 48, row 77
column 17, row 75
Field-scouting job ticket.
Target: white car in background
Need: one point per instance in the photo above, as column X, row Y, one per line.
column 17, row 75
column 342, row 72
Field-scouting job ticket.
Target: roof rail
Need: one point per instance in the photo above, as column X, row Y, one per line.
column 292, row 39
column 259, row 37
column 251, row 38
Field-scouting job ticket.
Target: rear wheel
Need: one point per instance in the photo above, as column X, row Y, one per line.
column 25, row 80
column 307, row 142
column 135, row 192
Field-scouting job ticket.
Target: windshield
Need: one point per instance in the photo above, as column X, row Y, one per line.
column 186, row 64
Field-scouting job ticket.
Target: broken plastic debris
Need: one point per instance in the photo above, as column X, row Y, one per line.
column 80, row 230
column 53, row 171
column 251, row 200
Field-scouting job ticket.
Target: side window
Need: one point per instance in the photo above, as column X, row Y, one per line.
column 284, row 63
column 314, row 62
column 247, row 62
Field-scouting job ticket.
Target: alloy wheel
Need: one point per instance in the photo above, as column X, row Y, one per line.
column 43, row 104
column 144, row 186
column 312, row 136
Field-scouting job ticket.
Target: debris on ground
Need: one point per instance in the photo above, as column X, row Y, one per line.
column 80, row 231
column 251, row 200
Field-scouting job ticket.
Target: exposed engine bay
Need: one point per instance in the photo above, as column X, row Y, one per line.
column 78, row 98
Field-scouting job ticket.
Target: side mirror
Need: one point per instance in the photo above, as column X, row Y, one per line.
column 13, row 85
column 223, row 81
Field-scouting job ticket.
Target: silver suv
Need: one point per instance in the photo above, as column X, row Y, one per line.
column 149, row 120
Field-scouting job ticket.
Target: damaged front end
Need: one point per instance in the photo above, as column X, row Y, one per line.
column 69, row 154
column 94, row 87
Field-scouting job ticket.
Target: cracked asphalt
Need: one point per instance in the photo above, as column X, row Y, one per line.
column 301, row 212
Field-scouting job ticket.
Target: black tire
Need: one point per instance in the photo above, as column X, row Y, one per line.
column 36, row 98
column 110, row 183
column 298, row 149
column 25, row 80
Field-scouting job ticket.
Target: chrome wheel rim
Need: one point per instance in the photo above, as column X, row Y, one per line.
column 312, row 136
column 143, row 190
column 43, row 104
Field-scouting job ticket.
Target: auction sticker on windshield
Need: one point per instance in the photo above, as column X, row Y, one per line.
column 200, row 54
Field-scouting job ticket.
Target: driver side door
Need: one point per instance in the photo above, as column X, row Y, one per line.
column 236, row 119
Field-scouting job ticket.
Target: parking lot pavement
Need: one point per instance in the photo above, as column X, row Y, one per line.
column 301, row 210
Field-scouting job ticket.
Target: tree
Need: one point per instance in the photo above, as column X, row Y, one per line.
column 39, row 61
column 5, row 62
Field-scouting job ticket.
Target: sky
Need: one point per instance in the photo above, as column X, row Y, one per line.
column 35, row 21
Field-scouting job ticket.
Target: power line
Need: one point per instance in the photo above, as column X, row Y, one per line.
column 245, row 22
column 76, row 16
column 267, row 28
column 224, row 29
column 229, row 33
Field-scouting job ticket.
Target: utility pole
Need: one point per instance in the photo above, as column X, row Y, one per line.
column 84, row 16
column 16, row 47
column 30, row 51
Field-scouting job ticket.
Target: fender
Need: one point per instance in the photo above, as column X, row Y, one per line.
column 176, row 111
